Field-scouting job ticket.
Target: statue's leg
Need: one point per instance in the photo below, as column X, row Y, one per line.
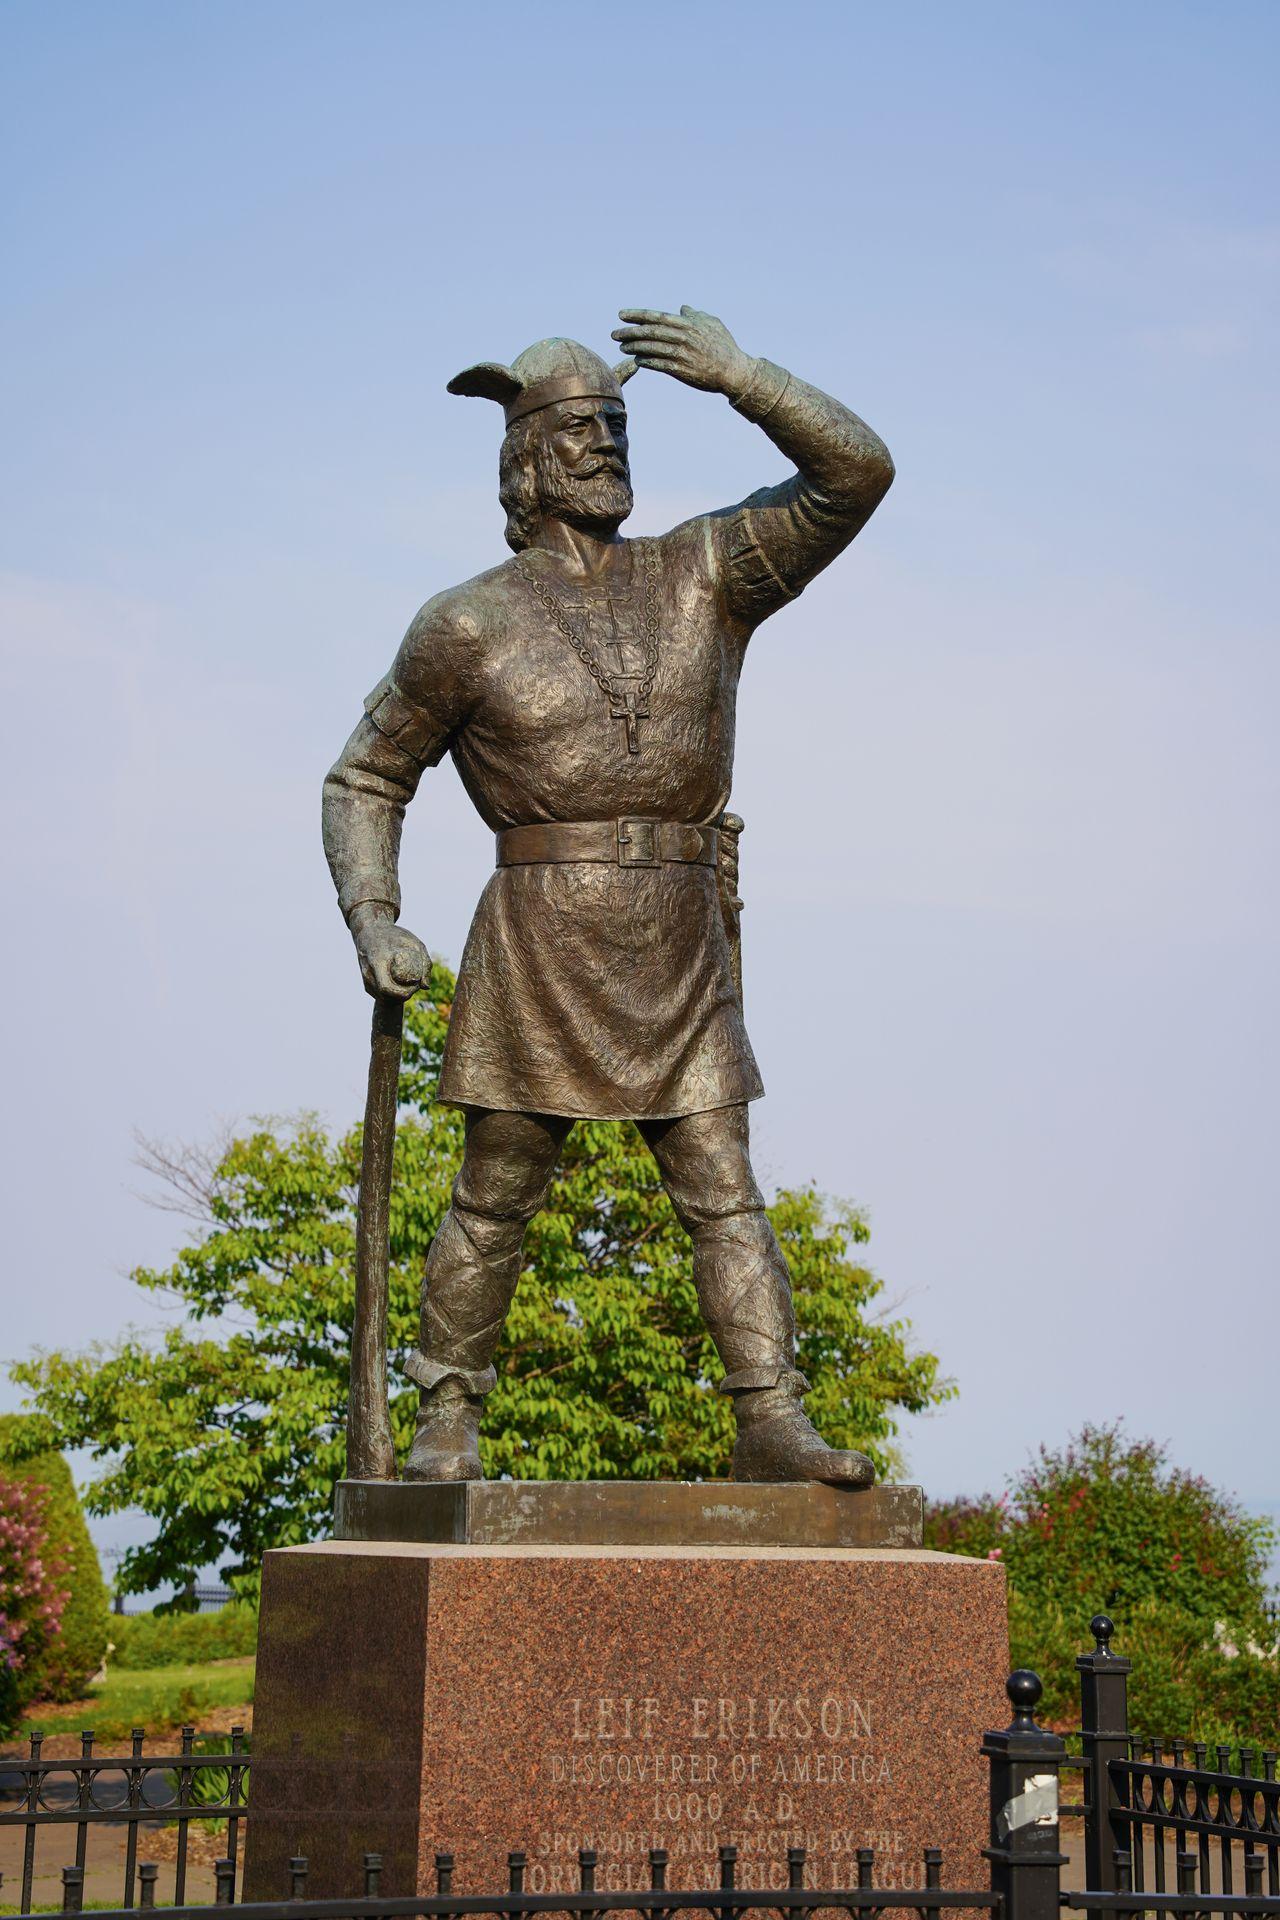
column 471, row 1275
column 744, row 1290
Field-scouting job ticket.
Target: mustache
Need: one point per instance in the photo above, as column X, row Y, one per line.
column 605, row 464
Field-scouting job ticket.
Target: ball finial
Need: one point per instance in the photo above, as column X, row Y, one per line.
column 1024, row 1689
column 1102, row 1629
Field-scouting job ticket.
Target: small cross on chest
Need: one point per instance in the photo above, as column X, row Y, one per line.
column 627, row 704
column 628, row 707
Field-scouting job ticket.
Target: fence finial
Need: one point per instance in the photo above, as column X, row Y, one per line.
column 1104, row 1734
column 1024, row 1689
column 1025, row 1760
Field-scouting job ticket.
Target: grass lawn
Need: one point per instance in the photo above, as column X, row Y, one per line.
column 157, row 1698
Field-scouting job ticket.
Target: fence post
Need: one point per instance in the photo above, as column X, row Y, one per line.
column 1104, row 1733
column 1025, row 1761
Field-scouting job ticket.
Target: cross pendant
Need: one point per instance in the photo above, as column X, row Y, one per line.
column 627, row 708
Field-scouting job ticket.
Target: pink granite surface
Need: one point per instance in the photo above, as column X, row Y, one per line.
column 419, row 1698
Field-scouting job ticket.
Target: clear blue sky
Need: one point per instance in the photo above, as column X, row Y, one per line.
column 1008, row 769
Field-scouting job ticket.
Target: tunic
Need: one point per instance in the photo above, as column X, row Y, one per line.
column 592, row 990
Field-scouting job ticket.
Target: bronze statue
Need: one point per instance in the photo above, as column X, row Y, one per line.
column 586, row 690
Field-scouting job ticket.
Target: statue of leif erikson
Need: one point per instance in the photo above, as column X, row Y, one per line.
column 586, row 690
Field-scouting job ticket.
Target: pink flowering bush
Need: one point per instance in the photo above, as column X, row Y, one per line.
column 33, row 1595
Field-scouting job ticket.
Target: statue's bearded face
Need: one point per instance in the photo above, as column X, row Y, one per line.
column 568, row 462
column 583, row 474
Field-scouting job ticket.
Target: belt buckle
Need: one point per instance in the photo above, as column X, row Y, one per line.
column 638, row 843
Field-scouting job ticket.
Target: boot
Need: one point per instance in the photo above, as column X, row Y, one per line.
column 446, row 1443
column 777, row 1440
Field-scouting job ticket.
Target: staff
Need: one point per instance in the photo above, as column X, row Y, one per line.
column 370, row 1454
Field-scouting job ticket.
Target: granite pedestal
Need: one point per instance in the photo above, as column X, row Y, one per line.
column 426, row 1695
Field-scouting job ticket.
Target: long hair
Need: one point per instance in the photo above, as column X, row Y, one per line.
column 518, row 491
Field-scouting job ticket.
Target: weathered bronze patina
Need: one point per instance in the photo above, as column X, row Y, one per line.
column 623, row 1513
column 586, row 690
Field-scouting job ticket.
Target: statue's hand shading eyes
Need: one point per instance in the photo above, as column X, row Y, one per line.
column 690, row 345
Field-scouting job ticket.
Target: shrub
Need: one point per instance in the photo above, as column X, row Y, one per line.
column 1107, row 1525
column 75, row 1652
column 1182, row 1683
column 171, row 1639
column 974, row 1528
column 32, row 1596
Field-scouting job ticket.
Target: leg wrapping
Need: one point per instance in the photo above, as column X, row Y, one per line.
column 744, row 1288
column 475, row 1258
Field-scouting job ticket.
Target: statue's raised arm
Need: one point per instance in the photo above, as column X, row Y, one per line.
column 785, row 534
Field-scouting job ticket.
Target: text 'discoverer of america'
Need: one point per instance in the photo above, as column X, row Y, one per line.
column 761, row 1772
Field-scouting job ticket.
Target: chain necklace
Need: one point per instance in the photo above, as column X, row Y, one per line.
column 628, row 701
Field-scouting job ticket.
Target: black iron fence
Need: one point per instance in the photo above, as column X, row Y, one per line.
column 185, row 1791
column 1167, row 1830
column 1161, row 1815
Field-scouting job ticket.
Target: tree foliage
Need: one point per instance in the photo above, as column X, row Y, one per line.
column 228, row 1429
column 1107, row 1525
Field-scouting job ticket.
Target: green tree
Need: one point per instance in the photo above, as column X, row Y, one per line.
column 228, row 1429
column 1107, row 1524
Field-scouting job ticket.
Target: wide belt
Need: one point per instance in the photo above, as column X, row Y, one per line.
column 632, row 842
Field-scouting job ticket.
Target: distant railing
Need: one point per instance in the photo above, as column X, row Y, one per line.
column 196, row 1599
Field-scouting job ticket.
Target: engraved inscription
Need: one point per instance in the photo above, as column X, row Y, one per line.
column 755, row 1771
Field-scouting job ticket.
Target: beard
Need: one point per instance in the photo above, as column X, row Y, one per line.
column 603, row 497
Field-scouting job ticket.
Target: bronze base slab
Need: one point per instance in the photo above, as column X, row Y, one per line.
column 624, row 1513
